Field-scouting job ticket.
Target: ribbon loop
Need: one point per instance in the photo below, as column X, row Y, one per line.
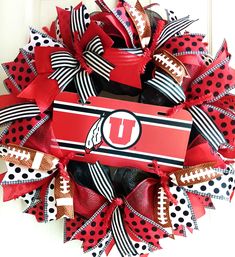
column 168, row 87
column 203, row 124
column 20, row 111
column 207, row 128
column 95, row 46
column 80, row 20
column 98, row 64
column 66, row 67
column 63, row 59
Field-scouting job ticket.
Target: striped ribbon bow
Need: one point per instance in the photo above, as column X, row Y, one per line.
column 119, row 233
column 67, row 68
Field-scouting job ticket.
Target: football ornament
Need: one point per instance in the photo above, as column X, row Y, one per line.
column 119, row 172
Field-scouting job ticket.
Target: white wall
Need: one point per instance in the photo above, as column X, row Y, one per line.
column 20, row 235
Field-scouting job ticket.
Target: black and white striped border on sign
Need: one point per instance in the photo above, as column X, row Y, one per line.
column 19, row 111
column 207, row 127
column 168, row 87
column 103, row 184
column 124, row 154
column 173, row 28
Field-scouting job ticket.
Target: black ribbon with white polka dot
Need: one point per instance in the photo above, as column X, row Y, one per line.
column 19, row 111
column 67, row 68
column 104, row 186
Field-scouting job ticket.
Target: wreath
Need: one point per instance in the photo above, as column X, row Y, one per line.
column 125, row 173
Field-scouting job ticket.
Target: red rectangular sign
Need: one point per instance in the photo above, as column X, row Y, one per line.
column 121, row 133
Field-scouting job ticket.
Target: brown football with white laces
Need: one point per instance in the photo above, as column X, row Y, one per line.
column 171, row 65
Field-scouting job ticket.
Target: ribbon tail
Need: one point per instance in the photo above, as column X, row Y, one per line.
column 168, row 87
column 20, row 111
column 102, row 182
column 173, row 28
column 84, row 86
column 64, row 76
column 64, row 198
column 50, row 206
column 36, row 91
column 120, row 235
column 207, row 128
column 79, row 22
column 95, row 46
column 98, row 64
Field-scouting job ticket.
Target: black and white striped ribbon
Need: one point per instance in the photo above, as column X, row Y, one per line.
column 67, row 68
column 207, row 128
column 80, row 20
column 173, row 28
column 84, row 85
column 136, row 51
column 201, row 120
column 105, row 188
column 20, row 111
column 95, row 46
column 98, row 64
column 168, row 87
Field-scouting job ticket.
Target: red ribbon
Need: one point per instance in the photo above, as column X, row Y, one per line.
column 164, row 181
column 79, row 53
column 189, row 103
column 62, row 165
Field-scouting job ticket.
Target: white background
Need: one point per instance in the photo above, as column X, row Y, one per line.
column 20, row 235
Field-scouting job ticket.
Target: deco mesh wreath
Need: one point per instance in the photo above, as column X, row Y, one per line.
column 124, row 173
